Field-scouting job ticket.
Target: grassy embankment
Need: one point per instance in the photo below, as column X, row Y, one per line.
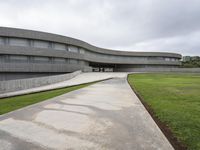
column 175, row 101
column 13, row 103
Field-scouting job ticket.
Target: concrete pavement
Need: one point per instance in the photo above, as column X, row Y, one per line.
column 79, row 79
column 103, row 116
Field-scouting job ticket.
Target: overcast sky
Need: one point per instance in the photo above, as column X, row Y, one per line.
column 133, row 25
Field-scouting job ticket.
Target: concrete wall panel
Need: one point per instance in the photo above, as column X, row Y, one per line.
column 21, row 84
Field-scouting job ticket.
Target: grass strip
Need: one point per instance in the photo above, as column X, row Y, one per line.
column 175, row 101
column 13, row 103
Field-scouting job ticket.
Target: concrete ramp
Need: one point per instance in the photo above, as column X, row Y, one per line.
column 103, row 116
column 75, row 78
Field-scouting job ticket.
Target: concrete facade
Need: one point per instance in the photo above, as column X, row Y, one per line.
column 26, row 51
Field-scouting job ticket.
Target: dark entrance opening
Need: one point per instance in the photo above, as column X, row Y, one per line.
column 101, row 67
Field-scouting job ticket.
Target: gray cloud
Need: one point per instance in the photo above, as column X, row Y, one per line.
column 141, row 25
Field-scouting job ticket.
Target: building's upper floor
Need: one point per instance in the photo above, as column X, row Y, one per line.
column 40, row 45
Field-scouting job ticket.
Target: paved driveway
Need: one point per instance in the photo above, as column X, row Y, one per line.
column 106, row 115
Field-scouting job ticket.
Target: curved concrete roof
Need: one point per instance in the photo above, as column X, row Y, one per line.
column 29, row 34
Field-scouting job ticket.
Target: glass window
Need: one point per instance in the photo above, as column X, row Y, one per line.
column 173, row 59
column 3, row 58
column 18, row 58
column 73, row 61
column 59, row 60
column 41, row 59
column 41, row 44
column 2, row 41
column 167, row 59
column 81, row 62
column 18, row 42
column 73, row 49
column 82, row 51
column 59, row 46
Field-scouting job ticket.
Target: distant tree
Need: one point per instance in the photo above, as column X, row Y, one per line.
column 191, row 64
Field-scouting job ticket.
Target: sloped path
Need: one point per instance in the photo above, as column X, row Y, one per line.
column 79, row 79
column 103, row 116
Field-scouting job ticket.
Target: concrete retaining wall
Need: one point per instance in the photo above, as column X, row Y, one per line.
column 21, row 84
column 184, row 70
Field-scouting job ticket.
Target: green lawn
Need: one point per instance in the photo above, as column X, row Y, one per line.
column 175, row 99
column 13, row 103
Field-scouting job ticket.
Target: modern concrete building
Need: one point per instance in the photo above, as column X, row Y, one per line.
column 186, row 58
column 26, row 53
